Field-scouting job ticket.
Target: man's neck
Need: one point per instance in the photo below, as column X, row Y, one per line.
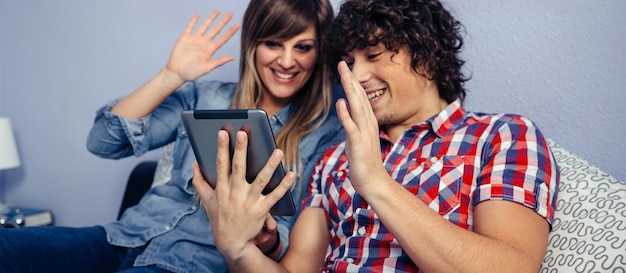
column 395, row 131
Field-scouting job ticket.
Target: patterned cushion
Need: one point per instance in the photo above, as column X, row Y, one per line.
column 589, row 231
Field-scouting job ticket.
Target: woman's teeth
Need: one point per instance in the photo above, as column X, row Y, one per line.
column 283, row 75
column 374, row 95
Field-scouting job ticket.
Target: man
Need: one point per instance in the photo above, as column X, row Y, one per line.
column 455, row 190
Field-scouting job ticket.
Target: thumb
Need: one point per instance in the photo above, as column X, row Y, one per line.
column 202, row 187
column 270, row 224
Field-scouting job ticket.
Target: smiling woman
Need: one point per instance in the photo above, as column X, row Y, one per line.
column 285, row 66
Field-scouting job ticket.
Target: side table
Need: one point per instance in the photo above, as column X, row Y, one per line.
column 16, row 217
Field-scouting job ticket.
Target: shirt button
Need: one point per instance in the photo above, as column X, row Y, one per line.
column 433, row 159
column 167, row 227
column 193, row 207
column 350, row 260
column 361, row 230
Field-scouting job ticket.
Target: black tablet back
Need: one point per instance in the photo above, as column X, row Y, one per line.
column 202, row 127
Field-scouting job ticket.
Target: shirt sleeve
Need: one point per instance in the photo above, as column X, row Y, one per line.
column 314, row 197
column 113, row 136
column 519, row 167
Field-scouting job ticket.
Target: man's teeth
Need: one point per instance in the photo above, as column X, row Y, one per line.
column 374, row 95
column 283, row 75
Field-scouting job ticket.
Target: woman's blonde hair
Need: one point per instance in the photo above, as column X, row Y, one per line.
column 282, row 20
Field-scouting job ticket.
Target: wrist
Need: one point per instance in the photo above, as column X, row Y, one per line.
column 274, row 247
column 170, row 78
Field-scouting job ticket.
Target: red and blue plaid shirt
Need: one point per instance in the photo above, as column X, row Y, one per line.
column 452, row 162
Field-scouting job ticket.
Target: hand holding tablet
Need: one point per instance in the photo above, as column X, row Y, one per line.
column 202, row 127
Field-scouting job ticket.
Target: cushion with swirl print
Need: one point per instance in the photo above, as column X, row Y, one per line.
column 589, row 230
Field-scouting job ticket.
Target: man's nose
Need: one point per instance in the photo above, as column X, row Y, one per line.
column 360, row 72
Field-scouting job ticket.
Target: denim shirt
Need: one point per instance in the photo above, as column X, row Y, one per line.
column 169, row 222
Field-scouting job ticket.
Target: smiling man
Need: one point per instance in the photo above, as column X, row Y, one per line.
column 455, row 191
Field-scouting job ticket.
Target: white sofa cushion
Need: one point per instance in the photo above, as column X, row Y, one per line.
column 589, row 230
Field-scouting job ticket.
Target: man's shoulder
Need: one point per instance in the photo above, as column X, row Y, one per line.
column 498, row 119
column 335, row 154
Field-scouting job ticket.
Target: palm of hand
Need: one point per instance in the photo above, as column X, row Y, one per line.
column 193, row 52
column 362, row 138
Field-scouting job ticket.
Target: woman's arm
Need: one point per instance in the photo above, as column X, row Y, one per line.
column 148, row 117
column 192, row 57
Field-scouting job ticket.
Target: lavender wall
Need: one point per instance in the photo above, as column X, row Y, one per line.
column 558, row 62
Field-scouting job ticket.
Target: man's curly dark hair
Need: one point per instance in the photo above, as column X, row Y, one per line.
column 425, row 27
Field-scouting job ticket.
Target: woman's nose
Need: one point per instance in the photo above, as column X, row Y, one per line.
column 286, row 60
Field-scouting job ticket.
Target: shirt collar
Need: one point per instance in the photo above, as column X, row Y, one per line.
column 440, row 123
column 445, row 120
column 282, row 116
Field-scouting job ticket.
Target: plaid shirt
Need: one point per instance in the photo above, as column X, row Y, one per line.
column 452, row 162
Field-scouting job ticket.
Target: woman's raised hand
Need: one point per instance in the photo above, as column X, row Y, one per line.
column 193, row 52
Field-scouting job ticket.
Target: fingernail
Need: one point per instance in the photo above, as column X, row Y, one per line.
column 276, row 154
column 221, row 135
column 240, row 137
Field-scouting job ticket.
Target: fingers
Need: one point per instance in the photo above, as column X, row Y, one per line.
column 207, row 22
column 205, row 28
column 344, row 110
column 238, row 165
column 222, row 159
column 191, row 24
column 357, row 98
column 212, row 33
column 202, row 187
column 235, row 177
column 265, row 175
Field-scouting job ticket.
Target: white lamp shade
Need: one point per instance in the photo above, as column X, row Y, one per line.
column 8, row 150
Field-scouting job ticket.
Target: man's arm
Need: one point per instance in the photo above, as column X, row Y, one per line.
column 309, row 241
column 507, row 237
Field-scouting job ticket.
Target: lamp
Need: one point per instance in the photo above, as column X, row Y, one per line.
column 8, row 150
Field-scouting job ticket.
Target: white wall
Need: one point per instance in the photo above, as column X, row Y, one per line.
column 560, row 63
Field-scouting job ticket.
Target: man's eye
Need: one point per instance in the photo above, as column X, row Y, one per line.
column 373, row 56
column 272, row 44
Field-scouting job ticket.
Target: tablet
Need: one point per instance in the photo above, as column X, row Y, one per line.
column 202, row 127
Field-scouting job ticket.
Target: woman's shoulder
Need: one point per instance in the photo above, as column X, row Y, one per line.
column 215, row 87
column 213, row 94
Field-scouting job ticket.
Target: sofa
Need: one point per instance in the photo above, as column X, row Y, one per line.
column 589, row 229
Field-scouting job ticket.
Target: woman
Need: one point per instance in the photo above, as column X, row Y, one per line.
column 281, row 71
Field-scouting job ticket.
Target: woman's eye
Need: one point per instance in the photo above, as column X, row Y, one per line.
column 272, row 44
column 304, row 48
